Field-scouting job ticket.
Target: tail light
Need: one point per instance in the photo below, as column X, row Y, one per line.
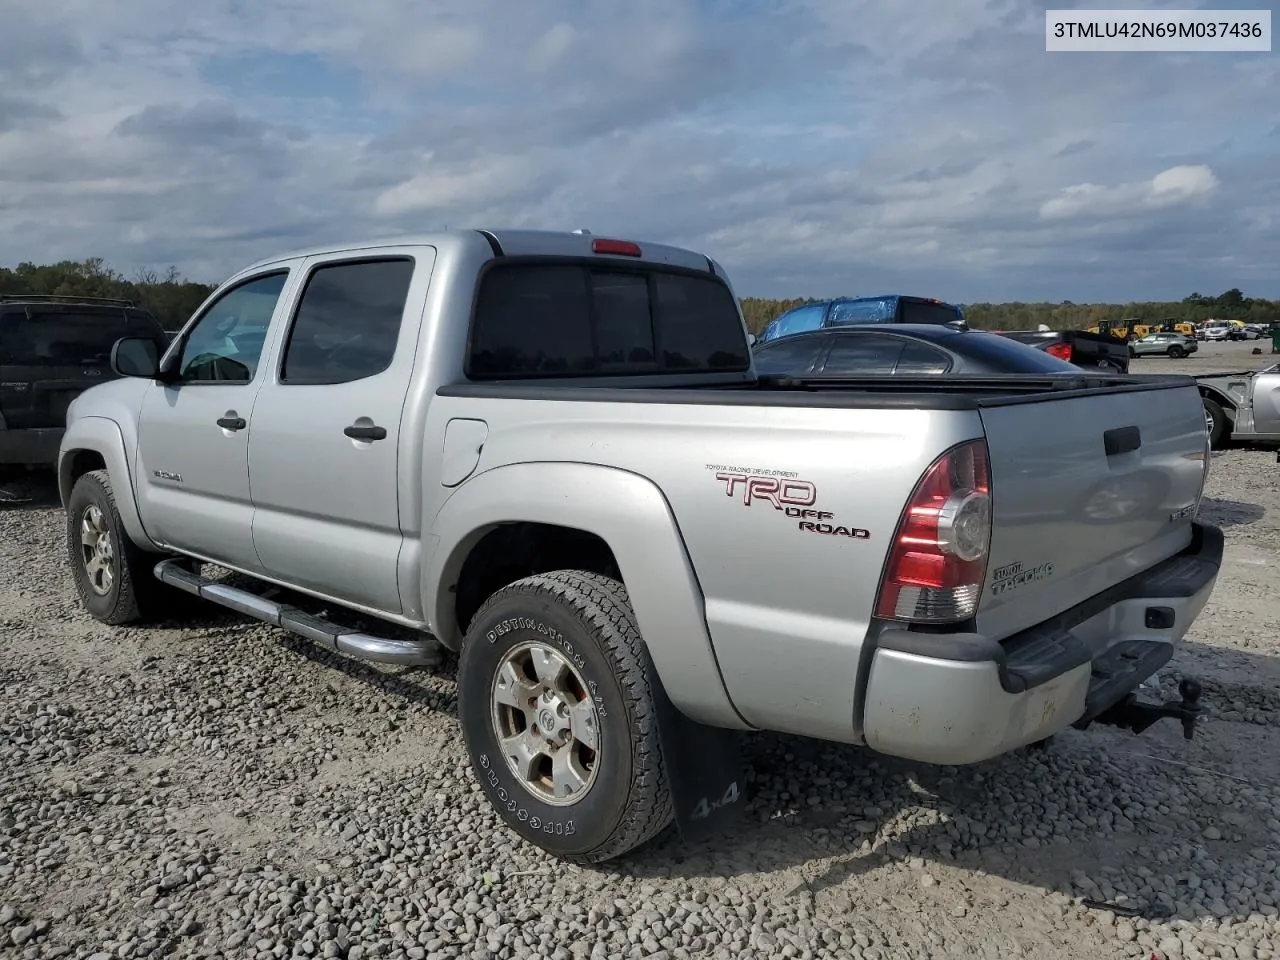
column 938, row 559
column 623, row 248
column 1060, row 350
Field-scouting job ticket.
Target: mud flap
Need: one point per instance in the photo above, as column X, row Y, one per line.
column 706, row 771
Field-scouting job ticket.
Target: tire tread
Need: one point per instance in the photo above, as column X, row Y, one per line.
column 140, row 595
column 603, row 603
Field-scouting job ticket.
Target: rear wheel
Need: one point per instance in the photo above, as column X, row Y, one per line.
column 112, row 574
column 557, row 710
column 1215, row 422
column 1177, row 352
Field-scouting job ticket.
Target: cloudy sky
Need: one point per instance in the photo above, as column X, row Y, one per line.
column 816, row 147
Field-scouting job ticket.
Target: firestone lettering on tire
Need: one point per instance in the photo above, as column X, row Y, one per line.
column 559, row 828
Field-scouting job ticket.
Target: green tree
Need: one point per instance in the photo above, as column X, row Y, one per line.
column 170, row 297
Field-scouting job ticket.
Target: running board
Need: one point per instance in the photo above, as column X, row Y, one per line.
column 331, row 636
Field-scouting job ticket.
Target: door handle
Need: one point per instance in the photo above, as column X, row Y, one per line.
column 231, row 422
column 365, row 432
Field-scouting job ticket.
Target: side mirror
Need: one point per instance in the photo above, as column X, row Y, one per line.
column 135, row 357
column 751, row 339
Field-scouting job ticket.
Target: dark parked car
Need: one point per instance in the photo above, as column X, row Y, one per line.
column 51, row 350
column 902, row 349
column 1095, row 351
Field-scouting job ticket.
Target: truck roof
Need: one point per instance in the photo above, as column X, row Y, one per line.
column 516, row 242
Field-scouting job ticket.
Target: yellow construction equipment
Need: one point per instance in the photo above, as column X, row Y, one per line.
column 1173, row 325
column 1121, row 329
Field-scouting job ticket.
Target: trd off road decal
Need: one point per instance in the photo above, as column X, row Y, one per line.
column 786, row 493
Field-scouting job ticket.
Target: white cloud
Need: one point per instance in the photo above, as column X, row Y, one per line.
column 813, row 146
column 1169, row 188
column 551, row 47
column 437, row 187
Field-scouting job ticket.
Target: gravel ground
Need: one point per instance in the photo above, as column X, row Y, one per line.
column 215, row 788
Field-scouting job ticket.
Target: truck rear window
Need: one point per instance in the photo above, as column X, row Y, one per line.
column 566, row 320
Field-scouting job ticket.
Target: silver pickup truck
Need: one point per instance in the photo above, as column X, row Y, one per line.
column 549, row 452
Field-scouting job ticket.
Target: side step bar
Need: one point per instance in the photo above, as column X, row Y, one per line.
column 331, row 636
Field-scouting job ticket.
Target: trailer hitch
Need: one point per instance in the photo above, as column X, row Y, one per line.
column 1137, row 715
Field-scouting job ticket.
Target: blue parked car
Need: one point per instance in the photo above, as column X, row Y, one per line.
column 846, row 311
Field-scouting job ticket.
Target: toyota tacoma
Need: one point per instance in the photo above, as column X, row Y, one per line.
column 550, row 453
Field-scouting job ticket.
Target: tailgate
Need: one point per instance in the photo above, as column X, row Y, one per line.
column 35, row 397
column 1087, row 490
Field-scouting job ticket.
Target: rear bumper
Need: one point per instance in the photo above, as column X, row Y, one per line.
column 962, row 698
column 30, row 447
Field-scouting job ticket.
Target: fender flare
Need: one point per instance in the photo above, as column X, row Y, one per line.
column 102, row 436
column 631, row 515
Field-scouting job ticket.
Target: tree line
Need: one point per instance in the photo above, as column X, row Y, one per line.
column 1231, row 305
column 173, row 299
column 170, row 297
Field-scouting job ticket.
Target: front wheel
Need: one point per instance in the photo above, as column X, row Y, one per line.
column 557, row 710
column 111, row 573
column 1215, row 422
column 1176, row 352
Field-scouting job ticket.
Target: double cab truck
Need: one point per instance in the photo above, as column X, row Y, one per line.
column 550, row 453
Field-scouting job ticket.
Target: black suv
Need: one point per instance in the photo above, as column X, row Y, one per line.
column 51, row 350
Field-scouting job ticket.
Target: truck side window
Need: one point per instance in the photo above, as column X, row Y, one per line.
column 347, row 322
column 225, row 344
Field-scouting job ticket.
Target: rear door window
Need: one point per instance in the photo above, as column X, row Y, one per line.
column 856, row 355
column 574, row 319
column 920, row 359
column 348, row 322
column 788, row 358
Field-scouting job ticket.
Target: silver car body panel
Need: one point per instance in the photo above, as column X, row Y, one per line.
column 1253, row 398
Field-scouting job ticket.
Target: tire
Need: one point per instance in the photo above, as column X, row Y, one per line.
column 1216, row 423
column 585, row 620
column 1176, row 352
column 118, row 587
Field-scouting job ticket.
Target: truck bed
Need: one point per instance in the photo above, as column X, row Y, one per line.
column 859, row 447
